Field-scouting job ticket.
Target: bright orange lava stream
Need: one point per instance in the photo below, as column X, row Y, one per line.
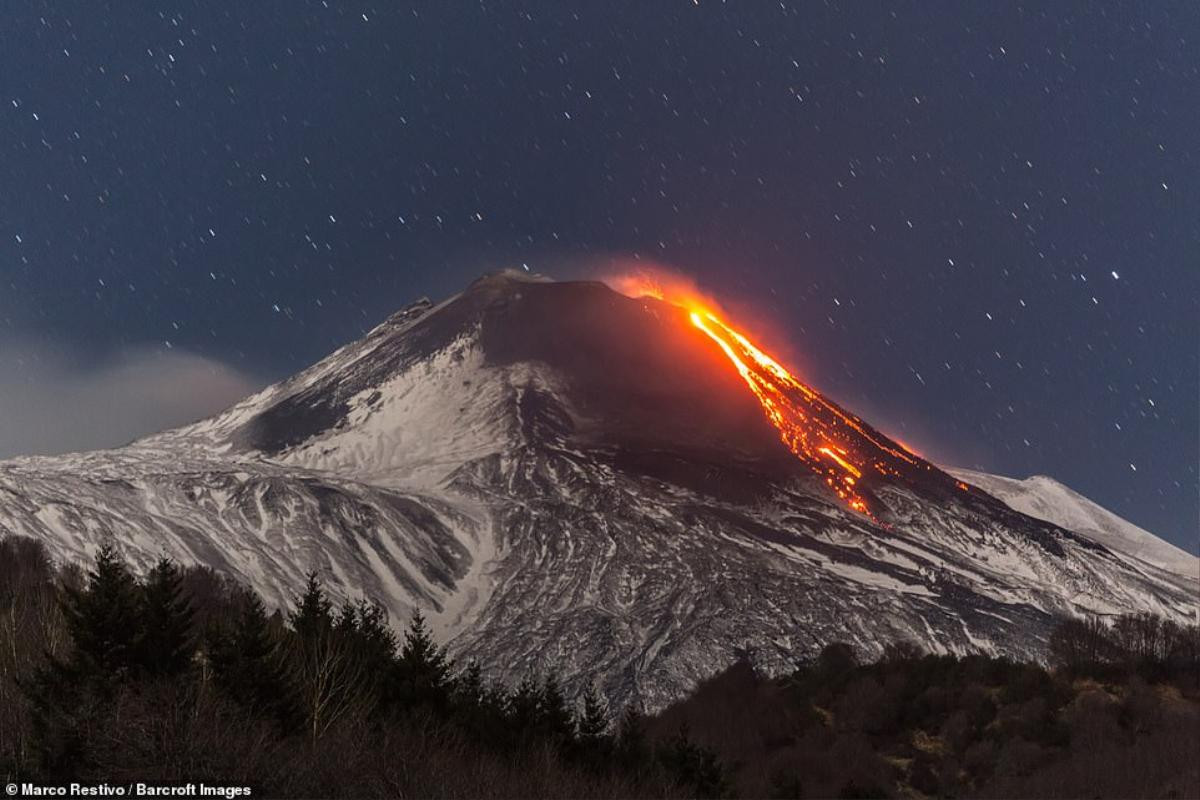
column 819, row 433
column 833, row 443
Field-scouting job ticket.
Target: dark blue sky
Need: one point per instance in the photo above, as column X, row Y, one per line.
column 976, row 224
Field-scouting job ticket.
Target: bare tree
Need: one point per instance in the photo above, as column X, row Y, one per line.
column 1077, row 643
column 331, row 682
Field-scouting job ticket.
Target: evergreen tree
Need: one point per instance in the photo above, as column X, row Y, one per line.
column 423, row 672
column 247, row 663
column 593, row 723
column 479, row 708
column 594, row 745
column 69, row 698
column 102, row 620
column 469, row 689
column 164, row 644
column 555, row 720
column 364, row 630
column 373, row 635
column 347, row 620
column 313, row 615
column 523, row 706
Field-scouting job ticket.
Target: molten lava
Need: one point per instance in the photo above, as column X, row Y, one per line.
column 835, row 444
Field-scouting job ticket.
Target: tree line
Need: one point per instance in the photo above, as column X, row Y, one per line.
column 180, row 675
column 916, row 724
column 1142, row 644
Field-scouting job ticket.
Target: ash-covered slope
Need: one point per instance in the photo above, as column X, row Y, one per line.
column 572, row 479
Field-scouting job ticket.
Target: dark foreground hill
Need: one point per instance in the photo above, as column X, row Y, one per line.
column 181, row 676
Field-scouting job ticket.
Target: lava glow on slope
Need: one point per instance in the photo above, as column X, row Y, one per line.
column 836, row 445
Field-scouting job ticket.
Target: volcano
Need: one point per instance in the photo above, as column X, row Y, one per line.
column 618, row 488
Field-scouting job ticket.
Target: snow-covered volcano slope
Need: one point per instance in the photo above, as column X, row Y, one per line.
column 571, row 479
column 1047, row 499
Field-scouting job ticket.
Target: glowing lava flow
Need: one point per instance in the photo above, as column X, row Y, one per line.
column 839, row 447
column 836, row 445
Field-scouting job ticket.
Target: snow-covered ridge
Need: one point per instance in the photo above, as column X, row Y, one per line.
column 1043, row 497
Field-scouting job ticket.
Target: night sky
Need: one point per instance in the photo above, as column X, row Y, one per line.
column 977, row 225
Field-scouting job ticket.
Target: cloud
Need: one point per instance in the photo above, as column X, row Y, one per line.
column 55, row 401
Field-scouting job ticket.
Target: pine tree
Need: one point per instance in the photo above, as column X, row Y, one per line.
column 523, row 708
column 247, row 664
column 555, row 719
column 479, row 708
column 164, row 644
column 375, row 639
column 593, row 723
column 70, row 698
column 469, row 688
column 423, row 672
column 347, row 620
column 364, row 630
column 594, row 745
column 313, row 615
column 102, row 620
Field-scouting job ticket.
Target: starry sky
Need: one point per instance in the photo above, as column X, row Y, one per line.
column 975, row 224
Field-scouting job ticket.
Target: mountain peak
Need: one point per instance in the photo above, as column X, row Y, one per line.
column 572, row 479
